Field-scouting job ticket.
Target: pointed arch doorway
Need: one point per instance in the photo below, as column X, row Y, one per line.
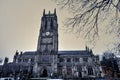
column 44, row 73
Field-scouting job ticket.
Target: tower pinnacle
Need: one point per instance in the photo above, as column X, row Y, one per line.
column 49, row 12
column 55, row 11
column 43, row 12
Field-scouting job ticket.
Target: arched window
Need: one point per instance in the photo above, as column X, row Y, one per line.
column 85, row 59
column 60, row 70
column 61, row 59
column 90, row 70
column 69, row 70
column 68, row 59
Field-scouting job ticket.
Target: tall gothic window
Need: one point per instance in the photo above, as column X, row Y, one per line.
column 90, row 70
column 68, row 59
column 60, row 70
column 61, row 59
column 48, row 25
column 69, row 70
column 76, row 59
column 79, row 69
column 85, row 59
column 32, row 59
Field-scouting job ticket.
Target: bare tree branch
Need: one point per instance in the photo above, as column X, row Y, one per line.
column 88, row 15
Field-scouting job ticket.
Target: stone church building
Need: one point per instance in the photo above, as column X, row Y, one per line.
column 48, row 61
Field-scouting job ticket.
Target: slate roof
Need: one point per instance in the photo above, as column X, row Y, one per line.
column 69, row 52
column 29, row 53
column 75, row 52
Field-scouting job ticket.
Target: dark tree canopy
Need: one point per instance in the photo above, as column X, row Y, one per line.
column 90, row 15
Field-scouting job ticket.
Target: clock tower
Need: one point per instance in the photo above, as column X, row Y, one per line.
column 47, row 47
column 48, row 36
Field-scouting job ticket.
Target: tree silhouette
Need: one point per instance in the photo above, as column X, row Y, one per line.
column 109, row 63
column 89, row 14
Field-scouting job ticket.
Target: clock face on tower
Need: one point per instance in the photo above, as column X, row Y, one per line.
column 47, row 33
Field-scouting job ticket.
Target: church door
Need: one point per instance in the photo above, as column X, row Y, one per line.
column 44, row 73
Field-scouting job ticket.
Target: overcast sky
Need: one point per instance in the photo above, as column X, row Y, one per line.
column 20, row 23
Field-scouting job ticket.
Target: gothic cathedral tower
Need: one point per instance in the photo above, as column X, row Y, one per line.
column 47, row 47
column 48, row 37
